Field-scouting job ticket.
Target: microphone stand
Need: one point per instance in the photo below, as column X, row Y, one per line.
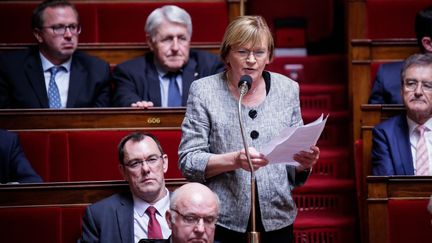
column 253, row 235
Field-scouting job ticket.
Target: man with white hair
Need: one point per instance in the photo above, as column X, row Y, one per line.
column 163, row 76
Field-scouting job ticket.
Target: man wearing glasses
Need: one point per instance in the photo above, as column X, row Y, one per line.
column 193, row 214
column 402, row 144
column 140, row 213
column 54, row 74
column 163, row 76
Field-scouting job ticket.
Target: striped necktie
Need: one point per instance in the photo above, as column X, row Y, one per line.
column 422, row 157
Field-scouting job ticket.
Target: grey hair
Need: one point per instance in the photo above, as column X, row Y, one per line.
column 170, row 13
column 419, row 59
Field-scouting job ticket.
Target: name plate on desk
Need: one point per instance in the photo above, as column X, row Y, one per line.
column 91, row 118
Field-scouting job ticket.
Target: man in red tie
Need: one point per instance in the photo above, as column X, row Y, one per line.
column 402, row 145
column 140, row 213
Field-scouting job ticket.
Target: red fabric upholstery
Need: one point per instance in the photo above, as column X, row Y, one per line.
column 322, row 69
column 125, row 22
column 115, row 21
column 318, row 14
column 381, row 16
column 87, row 155
column 409, row 221
column 51, row 224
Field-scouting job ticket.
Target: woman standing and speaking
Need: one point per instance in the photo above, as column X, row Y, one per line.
column 211, row 149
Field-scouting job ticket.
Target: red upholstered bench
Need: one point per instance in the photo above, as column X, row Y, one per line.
column 318, row 69
column 106, row 22
column 409, row 221
column 48, row 224
column 87, row 155
column 381, row 16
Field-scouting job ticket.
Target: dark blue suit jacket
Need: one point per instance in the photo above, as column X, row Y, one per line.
column 109, row 220
column 137, row 79
column 22, row 83
column 391, row 152
column 387, row 85
column 14, row 166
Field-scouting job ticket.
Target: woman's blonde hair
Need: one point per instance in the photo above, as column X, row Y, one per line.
column 245, row 30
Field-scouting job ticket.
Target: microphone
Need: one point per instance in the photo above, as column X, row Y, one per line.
column 244, row 84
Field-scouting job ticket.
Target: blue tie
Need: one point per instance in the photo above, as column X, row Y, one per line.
column 53, row 91
column 174, row 96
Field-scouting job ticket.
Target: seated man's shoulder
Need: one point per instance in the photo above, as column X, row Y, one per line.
column 199, row 54
column 392, row 66
column 112, row 202
column 89, row 60
column 135, row 63
column 391, row 122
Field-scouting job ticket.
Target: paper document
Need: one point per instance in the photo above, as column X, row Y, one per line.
column 292, row 140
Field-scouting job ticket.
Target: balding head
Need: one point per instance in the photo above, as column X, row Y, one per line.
column 193, row 213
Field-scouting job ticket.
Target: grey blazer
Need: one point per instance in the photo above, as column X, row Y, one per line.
column 211, row 127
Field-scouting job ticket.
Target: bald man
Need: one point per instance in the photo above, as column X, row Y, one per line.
column 193, row 213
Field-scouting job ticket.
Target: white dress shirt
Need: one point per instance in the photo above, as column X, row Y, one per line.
column 62, row 77
column 141, row 219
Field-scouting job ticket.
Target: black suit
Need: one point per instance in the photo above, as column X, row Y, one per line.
column 138, row 80
column 22, row 83
column 14, row 166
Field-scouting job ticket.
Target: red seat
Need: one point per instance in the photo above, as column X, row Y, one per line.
column 48, row 224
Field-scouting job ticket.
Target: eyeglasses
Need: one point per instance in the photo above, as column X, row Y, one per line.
column 194, row 219
column 412, row 84
column 151, row 161
column 60, row 29
column 244, row 53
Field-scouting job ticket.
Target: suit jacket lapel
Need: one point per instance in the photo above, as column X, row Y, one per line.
column 77, row 80
column 152, row 80
column 35, row 76
column 124, row 214
column 404, row 147
column 188, row 76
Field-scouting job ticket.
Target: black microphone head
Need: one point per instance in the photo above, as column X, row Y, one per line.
column 247, row 80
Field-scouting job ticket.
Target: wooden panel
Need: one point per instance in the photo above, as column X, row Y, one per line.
column 68, row 193
column 381, row 189
column 91, row 118
column 115, row 53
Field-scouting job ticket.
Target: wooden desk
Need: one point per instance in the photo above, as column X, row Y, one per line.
column 91, row 118
column 381, row 190
column 66, row 193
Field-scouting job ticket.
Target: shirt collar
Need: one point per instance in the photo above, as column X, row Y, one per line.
column 141, row 206
column 412, row 125
column 46, row 64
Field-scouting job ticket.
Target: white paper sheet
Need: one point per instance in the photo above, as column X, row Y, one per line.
column 292, row 140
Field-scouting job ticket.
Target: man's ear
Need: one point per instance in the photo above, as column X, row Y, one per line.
column 168, row 216
column 150, row 42
column 427, row 44
column 165, row 163
column 122, row 171
column 37, row 35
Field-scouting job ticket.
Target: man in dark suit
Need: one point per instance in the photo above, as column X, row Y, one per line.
column 395, row 148
column 387, row 84
column 54, row 75
column 127, row 217
column 14, row 166
column 163, row 76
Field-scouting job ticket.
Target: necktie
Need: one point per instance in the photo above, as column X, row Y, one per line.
column 174, row 96
column 422, row 158
column 154, row 230
column 53, row 91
